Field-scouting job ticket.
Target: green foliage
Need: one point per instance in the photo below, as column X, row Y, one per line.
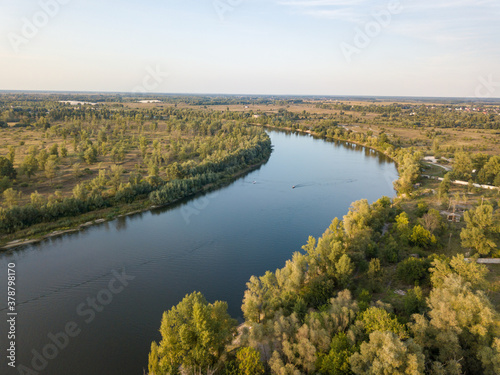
column 444, row 186
column 37, row 200
column 414, row 270
column 402, row 226
column 364, row 298
column 64, row 151
column 42, row 123
column 51, row 166
column 54, row 150
column 29, row 165
column 433, row 221
column 299, row 347
column 42, row 159
column 389, row 251
column 470, row 271
column 386, row 353
column 460, row 332
column 336, row 362
column 490, row 171
column 90, row 155
column 422, row 237
column 409, row 170
column 249, row 362
column 377, row 319
column 7, row 169
column 481, row 231
column 422, row 209
column 344, row 269
column 12, row 154
column 5, row 183
column 414, row 301
column 462, row 166
column 194, row 336
column 11, row 197
column 375, row 274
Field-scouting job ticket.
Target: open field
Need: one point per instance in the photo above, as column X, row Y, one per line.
column 72, row 170
column 474, row 140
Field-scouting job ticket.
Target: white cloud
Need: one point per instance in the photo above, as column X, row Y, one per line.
column 445, row 21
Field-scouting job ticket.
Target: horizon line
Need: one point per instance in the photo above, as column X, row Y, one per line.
column 214, row 94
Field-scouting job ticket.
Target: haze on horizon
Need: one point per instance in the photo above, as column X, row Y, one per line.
column 289, row 47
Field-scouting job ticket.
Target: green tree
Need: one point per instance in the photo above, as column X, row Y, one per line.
column 54, row 149
column 77, row 170
column 80, row 192
column 403, row 226
column 460, row 332
column 37, row 199
column 409, row 170
column 249, row 362
column 42, row 159
column 153, row 169
column 344, row 269
column 90, row 155
column 496, row 182
column 5, row 183
column 444, row 186
column 422, row 237
column 386, row 354
column 470, row 271
column 11, row 197
column 116, row 175
column 194, row 336
column 377, row 319
column 462, row 166
column 64, row 151
column 433, row 221
column 490, row 171
column 413, row 270
column 29, row 165
column 375, row 274
column 51, row 167
column 143, row 146
column 7, row 168
column 336, row 362
column 481, row 231
column 12, row 154
column 174, row 171
column 259, row 292
column 414, row 301
column 42, row 123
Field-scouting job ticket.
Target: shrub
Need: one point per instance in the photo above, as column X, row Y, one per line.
column 413, row 270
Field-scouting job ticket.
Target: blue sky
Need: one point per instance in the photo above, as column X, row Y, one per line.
column 306, row 47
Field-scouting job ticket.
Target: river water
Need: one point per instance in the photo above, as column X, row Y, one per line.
column 90, row 303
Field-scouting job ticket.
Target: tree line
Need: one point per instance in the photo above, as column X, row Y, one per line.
column 329, row 311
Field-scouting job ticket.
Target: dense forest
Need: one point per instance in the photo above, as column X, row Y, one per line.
column 329, row 310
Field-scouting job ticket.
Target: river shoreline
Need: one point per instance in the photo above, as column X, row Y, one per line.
column 310, row 132
column 210, row 243
column 102, row 216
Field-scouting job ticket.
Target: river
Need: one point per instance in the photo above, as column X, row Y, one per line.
column 90, row 303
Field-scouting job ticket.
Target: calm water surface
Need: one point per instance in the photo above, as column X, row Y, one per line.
column 211, row 243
